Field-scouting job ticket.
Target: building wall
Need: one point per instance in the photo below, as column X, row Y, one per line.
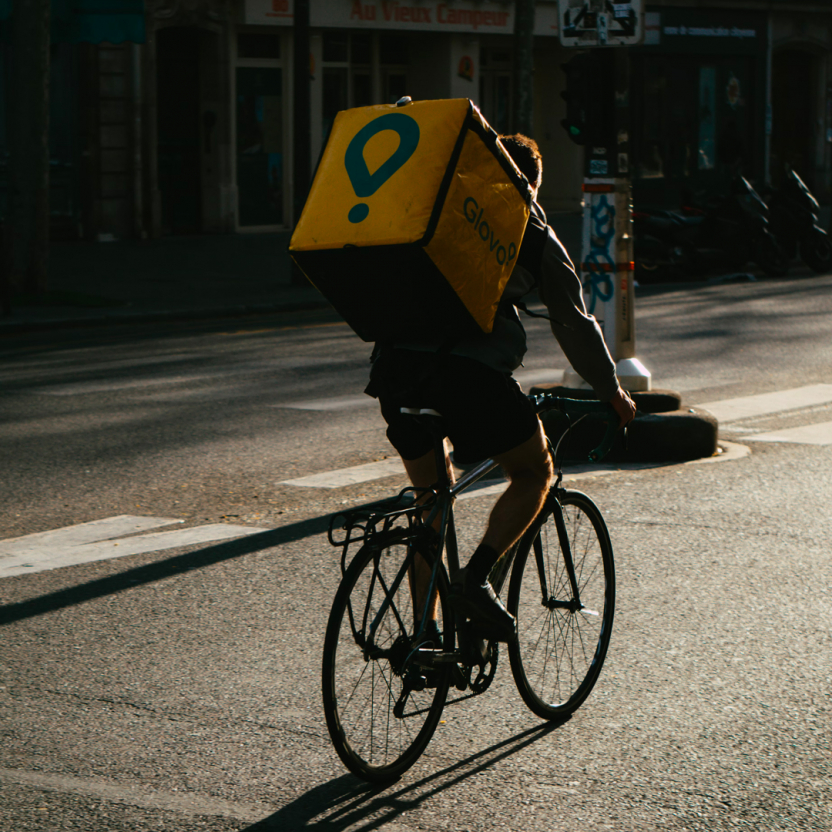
column 243, row 183
column 801, row 80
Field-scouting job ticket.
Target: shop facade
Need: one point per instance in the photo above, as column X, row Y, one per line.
column 216, row 95
column 716, row 92
column 184, row 125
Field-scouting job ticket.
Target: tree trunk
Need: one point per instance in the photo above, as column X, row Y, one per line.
column 27, row 234
column 523, row 66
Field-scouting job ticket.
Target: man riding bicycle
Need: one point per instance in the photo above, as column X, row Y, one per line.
column 487, row 415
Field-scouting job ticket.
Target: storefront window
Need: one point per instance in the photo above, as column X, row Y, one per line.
column 257, row 45
column 336, row 47
column 260, row 145
column 694, row 121
column 495, row 88
column 395, row 85
column 707, row 118
column 334, row 94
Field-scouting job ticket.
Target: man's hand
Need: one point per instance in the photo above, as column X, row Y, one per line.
column 624, row 407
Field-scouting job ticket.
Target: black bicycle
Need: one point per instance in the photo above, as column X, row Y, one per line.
column 386, row 672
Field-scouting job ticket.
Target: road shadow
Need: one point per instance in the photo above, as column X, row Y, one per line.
column 348, row 803
column 161, row 569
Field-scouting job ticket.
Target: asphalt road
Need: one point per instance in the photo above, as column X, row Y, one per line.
column 178, row 689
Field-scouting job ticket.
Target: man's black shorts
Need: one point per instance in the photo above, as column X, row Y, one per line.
column 485, row 411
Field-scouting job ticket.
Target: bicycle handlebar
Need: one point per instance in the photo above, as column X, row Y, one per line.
column 582, row 407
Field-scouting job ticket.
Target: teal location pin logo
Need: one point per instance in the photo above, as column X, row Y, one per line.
column 365, row 183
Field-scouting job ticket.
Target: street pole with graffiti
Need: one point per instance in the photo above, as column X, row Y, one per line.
column 597, row 117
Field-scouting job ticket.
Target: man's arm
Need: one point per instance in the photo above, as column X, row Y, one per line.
column 577, row 332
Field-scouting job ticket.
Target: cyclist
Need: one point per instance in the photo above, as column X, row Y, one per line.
column 487, row 415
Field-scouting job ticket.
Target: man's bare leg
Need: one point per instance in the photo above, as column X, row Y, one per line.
column 422, row 474
column 530, row 472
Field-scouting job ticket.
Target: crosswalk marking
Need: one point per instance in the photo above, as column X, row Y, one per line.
column 350, row 476
column 733, row 410
column 528, row 378
column 336, row 403
column 82, row 533
column 817, row 434
column 103, row 540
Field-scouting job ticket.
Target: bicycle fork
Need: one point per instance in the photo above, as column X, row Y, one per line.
column 549, row 600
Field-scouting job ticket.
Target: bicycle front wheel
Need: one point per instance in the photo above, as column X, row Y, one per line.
column 379, row 720
column 561, row 639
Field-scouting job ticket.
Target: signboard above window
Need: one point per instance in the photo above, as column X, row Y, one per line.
column 588, row 23
column 480, row 17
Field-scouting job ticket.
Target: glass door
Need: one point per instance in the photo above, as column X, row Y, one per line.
column 260, row 150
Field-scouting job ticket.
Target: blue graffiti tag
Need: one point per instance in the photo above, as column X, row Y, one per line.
column 598, row 283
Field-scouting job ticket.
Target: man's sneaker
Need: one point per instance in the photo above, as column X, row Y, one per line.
column 481, row 604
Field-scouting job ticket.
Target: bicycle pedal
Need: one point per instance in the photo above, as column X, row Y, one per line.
column 415, row 681
column 459, row 678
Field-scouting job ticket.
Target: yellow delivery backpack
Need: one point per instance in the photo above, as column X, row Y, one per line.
column 414, row 220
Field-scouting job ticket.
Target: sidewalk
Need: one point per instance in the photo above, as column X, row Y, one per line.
column 171, row 278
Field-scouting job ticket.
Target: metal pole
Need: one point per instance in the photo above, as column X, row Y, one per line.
column 606, row 266
column 302, row 145
column 523, row 66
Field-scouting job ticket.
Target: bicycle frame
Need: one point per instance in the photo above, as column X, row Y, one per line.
column 437, row 502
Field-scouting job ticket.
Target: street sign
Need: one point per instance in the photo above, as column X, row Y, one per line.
column 587, row 23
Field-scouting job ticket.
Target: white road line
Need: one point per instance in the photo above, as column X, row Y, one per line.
column 528, row 378
column 350, row 476
column 733, row 410
column 817, row 434
column 82, row 533
column 90, row 542
column 337, row 403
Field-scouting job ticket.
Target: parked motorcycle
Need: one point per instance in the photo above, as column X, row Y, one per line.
column 727, row 230
column 794, row 222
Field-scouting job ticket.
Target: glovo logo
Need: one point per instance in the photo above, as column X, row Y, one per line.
column 365, row 183
column 474, row 214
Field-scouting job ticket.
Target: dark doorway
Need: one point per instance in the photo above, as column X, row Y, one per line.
column 793, row 97
column 178, row 97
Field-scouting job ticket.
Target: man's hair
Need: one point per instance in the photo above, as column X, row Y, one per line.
column 526, row 155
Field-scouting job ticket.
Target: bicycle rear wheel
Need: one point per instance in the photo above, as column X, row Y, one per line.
column 560, row 648
column 379, row 723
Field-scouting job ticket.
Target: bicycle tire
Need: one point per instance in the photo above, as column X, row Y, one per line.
column 558, row 654
column 360, row 692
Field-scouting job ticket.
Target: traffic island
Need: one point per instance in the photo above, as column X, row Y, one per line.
column 663, row 430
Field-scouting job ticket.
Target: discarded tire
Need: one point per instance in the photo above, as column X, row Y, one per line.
column 690, row 433
column 677, row 436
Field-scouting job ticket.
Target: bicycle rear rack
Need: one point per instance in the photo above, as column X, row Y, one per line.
column 361, row 524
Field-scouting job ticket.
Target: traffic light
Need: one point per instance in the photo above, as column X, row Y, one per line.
column 576, row 94
column 589, row 94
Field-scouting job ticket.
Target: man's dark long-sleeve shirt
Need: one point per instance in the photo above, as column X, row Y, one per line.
column 542, row 262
